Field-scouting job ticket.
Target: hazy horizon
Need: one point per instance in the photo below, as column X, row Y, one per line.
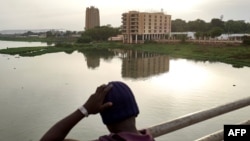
column 70, row 15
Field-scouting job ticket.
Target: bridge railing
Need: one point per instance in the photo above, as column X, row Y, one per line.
column 170, row 126
column 218, row 135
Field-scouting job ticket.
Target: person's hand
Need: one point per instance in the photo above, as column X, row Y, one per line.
column 95, row 103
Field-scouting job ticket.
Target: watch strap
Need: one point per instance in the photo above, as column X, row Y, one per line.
column 83, row 110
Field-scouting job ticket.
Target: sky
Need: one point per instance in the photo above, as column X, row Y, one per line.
column 70, row 14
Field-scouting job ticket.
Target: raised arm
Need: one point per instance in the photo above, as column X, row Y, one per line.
column 93, row 105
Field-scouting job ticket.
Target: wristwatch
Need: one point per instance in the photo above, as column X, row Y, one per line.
column 83, row 110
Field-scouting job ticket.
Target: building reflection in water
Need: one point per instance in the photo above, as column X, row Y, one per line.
column 93, row 57
column 137, row 64
column 92, row 62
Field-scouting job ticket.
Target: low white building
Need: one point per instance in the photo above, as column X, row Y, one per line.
column 117, row 38
column 190, row 35
column 231, row 36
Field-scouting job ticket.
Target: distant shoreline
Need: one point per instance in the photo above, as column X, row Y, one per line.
column 37, row 39
column 21, row 31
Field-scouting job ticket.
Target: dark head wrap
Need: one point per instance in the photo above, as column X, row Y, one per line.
column 124, row 104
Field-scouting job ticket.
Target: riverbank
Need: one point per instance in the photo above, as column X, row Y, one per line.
column 238, row 56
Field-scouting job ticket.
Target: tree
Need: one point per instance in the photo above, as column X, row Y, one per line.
column 198, row 25
column 246, row 40
column 68, row 33
column 49, row 34
column 84, row 39
column 248, row 28
column 236, row 26
column 215, row 32
column 101, row 33
column 217, row 23
column 28, row 33
column 203, row 27
column 179, row 25
column 201, row 35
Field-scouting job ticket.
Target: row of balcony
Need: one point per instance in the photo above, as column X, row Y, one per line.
column 149, row 31
column 136, row 28
column 149, row 27
column 136, row 17
column 131, row 31
column 145, row 21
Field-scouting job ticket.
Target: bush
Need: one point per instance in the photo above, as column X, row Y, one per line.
column 215, row 32
column 246, row 40
column 84, row 39
column 65, row 45
column 149, row 42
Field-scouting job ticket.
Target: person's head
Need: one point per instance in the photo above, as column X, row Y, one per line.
column 124, row 108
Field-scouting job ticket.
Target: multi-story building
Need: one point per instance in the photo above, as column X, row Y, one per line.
column 140, row 26
column 92, row 18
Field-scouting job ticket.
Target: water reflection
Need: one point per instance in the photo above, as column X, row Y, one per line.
column 142, row 64
column 14, row 44
column 41, row 85
column 135, row 64
column 93, row 57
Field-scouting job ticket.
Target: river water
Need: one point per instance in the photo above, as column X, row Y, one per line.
column 36, row 92
column 11, row 44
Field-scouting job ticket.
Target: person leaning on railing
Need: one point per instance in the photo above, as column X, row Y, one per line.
column 118, row 108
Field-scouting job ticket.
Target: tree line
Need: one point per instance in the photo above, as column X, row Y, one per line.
column 214, row 28
column 99, row 33
column 202, row 29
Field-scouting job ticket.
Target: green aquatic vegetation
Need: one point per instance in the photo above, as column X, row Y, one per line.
column 238, row 56
column 62, row 47
column 33, row 51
